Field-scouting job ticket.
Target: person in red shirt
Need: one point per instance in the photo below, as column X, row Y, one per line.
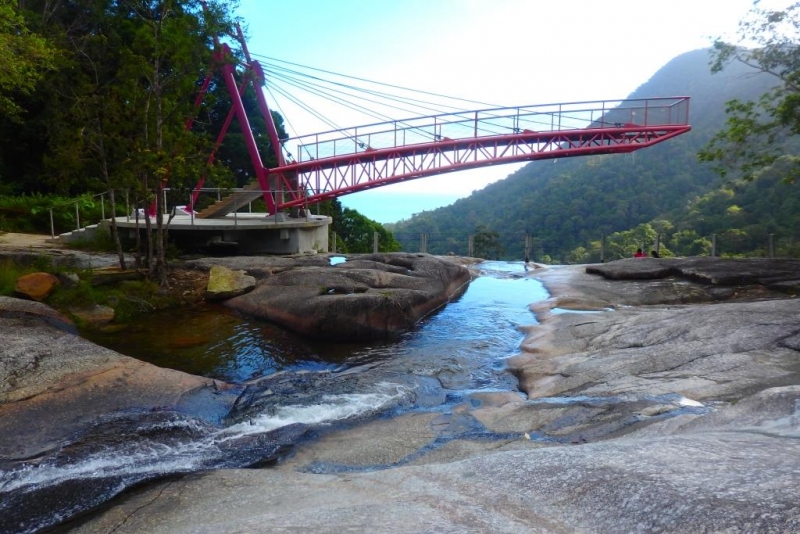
column 639, row 254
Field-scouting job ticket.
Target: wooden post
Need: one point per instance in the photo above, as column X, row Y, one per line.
column 602, row 248
column 333, row 246
column 77, row 217
column 103, row 206
column 374, row 242
column 52, row 227
column 713, row 245
column 471, row 246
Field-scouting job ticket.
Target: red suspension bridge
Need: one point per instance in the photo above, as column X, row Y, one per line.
column 347, row 160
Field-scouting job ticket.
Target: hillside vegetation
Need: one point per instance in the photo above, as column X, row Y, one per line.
column 659, row 194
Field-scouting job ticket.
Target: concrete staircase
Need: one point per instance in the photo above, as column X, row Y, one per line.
column 82, row 234
column 232, row 202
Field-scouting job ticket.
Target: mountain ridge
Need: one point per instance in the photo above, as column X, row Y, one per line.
column 569, row 203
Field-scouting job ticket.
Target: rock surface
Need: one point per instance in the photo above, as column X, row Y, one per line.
column 225, row 283
column 35, row 286
column 659, row 418
column 95, row 315
column 53, row 383
column 370, row 296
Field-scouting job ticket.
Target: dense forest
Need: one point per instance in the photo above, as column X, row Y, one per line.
column 661, row 195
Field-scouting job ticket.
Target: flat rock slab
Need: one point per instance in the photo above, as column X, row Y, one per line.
column 781, row 274
column 714, row 482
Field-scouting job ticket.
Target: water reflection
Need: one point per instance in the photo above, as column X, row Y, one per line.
column 463, row 344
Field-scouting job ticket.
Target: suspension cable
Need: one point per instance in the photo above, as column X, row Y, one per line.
column 378, row 83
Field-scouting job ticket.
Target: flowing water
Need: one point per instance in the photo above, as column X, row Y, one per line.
column 286, row 385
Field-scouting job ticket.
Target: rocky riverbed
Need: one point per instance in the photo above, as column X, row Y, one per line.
column 668, row 400
column 673, row 407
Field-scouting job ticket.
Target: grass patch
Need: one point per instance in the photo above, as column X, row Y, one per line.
column 129, row 298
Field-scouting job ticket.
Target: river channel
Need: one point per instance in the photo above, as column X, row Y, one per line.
column 283, row 385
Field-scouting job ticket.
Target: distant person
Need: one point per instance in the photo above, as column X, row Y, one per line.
column 639, row 254
column 527, row 260
column 654, row 254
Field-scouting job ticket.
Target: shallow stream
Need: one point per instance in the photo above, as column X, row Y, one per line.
column 286, row 386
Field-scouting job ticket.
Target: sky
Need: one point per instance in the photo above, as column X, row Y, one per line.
column 503, row 52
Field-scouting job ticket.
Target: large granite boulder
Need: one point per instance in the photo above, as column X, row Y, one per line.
column 371, row 296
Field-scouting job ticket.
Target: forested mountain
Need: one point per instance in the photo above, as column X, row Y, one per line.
column 568, row 205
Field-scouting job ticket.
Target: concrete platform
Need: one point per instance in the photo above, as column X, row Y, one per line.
column 240, row 233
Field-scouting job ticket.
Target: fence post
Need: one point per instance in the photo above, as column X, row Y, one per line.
column 471, row 246
column 191, row 208
column 77, row 217
column 333, row 249
column 127, row 207
column 52, row 226
column 602, row 248
column 713, row 245
column 374, row 242
column 423, row 243
column 771, row 245
column 103, row 206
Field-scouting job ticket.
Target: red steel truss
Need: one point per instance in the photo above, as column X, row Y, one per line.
column 346, row 161
column 339, row 162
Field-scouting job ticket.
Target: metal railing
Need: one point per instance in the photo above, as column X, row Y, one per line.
column 648, row 112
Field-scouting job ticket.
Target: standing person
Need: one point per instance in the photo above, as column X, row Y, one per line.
column 526, row 262
column 639, row 254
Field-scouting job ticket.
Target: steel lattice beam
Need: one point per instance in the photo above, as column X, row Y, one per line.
column 335, row 176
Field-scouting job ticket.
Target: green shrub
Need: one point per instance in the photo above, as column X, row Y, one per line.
column 31, row 213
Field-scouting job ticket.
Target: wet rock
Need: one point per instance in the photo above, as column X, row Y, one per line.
column 35, row 286
column 135, row 448
column 13, row 308
column 54, row 383
column 738, row 482
column 94, row 316
column 225, row 283
column 375, row 296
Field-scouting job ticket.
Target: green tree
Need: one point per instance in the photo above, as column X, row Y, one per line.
column 26, row 59
column 487, row 243
column 357, row 233
column 756, row 133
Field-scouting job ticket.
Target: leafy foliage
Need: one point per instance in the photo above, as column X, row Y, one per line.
column 354, row 232
column 756, row 132
column 26, row 57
